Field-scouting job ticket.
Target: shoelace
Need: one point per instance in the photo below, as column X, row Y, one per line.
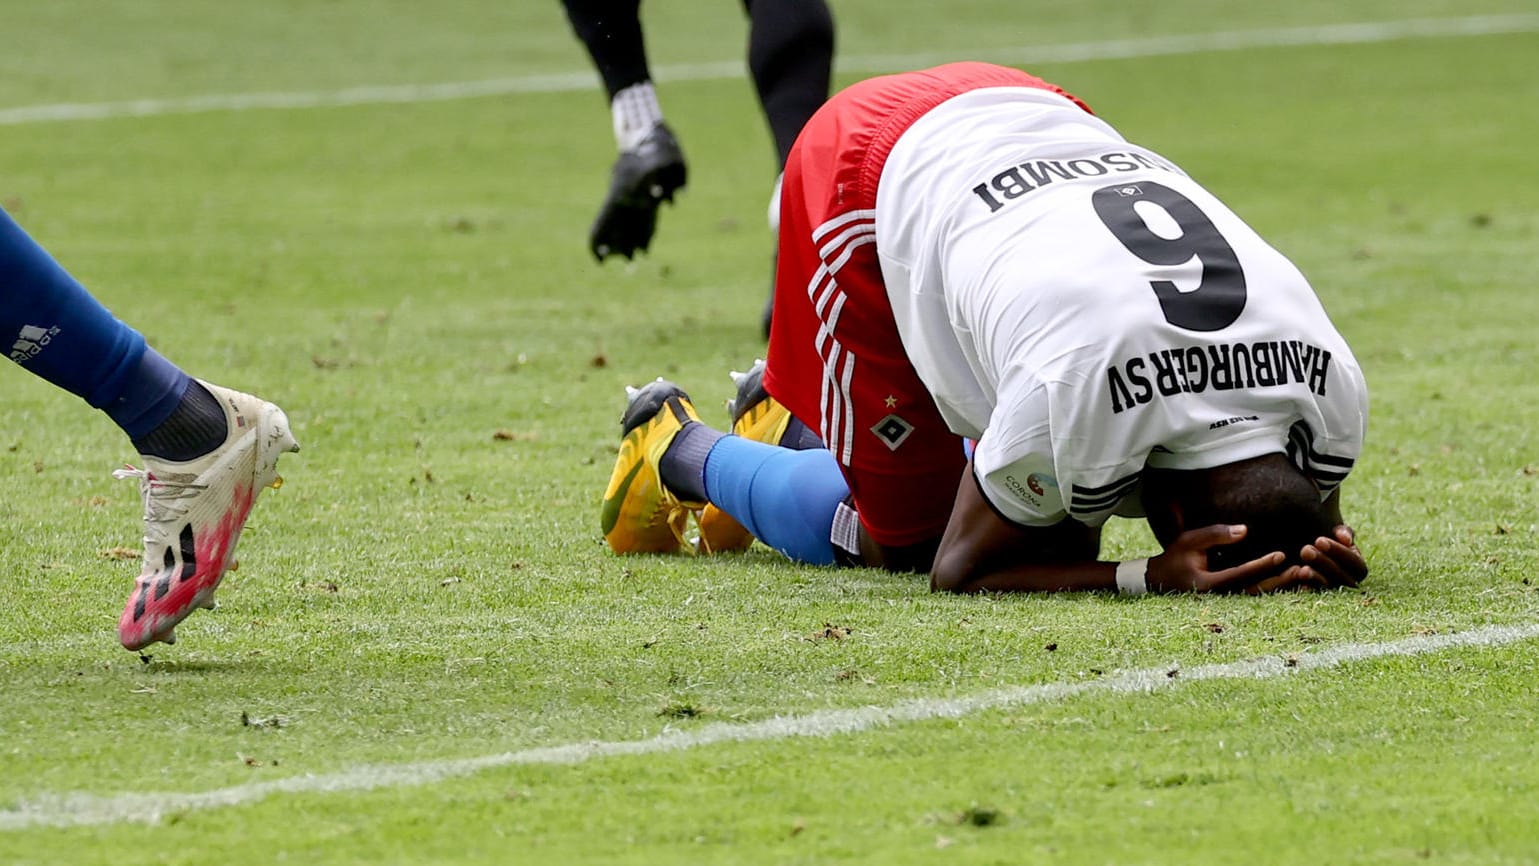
column 162, row 507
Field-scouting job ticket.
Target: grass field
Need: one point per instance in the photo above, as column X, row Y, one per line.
column 428, row 655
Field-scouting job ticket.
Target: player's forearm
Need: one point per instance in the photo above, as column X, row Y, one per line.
column 981, row 551
column 1077, row 576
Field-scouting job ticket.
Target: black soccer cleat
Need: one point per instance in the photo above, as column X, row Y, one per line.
column 642, row 178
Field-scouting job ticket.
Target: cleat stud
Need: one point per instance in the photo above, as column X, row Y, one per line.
column 630, row 392
column 277, row 482
column 736, row 377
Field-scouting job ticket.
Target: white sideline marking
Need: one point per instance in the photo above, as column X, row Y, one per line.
column 564, row 82
column 78, row 809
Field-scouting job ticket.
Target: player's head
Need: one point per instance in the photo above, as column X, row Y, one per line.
column 1278, row 504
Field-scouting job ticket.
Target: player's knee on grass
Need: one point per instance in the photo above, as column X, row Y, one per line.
column 915, row 558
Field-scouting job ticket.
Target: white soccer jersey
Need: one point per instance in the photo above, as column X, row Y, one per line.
column 1083, row 308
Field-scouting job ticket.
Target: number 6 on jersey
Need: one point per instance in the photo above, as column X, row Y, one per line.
column 1220, row 295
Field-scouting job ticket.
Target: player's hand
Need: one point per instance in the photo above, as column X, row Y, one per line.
column 1335, row 559
column 1183, row 567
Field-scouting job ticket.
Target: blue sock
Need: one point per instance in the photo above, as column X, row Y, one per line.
column 52, row 326
column 786, row 498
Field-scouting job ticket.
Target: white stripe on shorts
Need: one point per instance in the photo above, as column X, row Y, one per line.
column 838, row 421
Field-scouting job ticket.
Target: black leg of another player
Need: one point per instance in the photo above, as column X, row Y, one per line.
column 611, row 31
column 650, row 166
column 790, row 55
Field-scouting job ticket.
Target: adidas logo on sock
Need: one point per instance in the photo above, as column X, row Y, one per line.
column 31, row 341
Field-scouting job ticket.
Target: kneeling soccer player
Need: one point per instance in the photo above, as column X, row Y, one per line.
column 968, row 253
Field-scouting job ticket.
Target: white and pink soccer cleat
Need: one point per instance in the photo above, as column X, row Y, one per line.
column 193, row 515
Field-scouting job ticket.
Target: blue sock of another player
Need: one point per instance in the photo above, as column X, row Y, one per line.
column 57, row 330
column 786, row 498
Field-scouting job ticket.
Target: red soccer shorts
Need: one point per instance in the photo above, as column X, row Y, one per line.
column 835, row 358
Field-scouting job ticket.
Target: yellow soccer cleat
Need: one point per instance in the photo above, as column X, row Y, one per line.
column 757, row 416
column 639, row 514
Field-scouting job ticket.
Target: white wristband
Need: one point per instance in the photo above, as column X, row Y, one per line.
column 1133, row 577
